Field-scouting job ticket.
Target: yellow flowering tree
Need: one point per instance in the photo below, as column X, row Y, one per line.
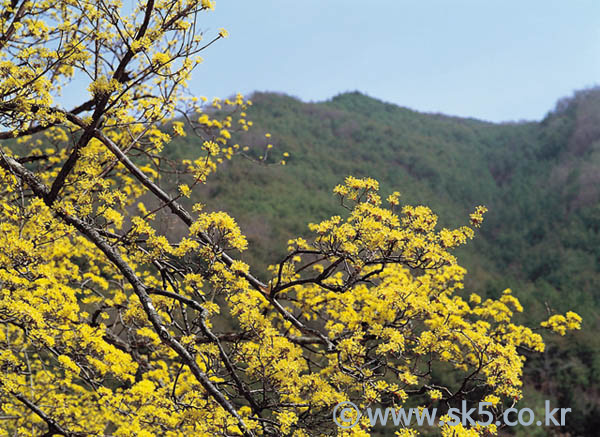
column 110, row 327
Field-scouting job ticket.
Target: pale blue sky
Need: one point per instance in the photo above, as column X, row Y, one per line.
column 494, row 60
column 489, row 59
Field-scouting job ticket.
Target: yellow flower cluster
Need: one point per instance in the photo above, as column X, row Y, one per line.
column 222, row 228
column 560, row 324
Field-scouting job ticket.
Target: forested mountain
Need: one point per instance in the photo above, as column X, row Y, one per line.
column 540, row 181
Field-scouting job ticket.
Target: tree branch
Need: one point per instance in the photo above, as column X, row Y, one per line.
column 139, row 288
column 53, row 427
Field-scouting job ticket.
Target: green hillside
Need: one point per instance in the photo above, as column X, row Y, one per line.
column 540, row 181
